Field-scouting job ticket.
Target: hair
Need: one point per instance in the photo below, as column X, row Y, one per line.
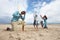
column 23, row 12
column 36, row 15
column 45, row 16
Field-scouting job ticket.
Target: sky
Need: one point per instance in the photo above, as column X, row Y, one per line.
column 51, row 8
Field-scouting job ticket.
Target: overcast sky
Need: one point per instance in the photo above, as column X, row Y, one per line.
column 51, row 8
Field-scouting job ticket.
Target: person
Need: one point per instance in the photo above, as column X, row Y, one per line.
column 16, row 15
column 23, row 18
column 41, row 24
column 35, row 21
column 15, row 19
column 45, row 20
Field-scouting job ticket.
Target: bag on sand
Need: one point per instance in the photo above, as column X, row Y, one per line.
column 8, row 29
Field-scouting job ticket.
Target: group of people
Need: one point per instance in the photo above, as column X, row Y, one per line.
column 21, row 15
column 43, row 21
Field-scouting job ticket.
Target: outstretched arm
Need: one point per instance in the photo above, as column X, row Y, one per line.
column 41, row 16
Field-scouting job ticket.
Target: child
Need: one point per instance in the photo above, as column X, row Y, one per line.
column 41, row 24
column 35, row 21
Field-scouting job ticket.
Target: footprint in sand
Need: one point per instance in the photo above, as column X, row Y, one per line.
column 58, row 38
column 18, row 38
column 11, row 36
column 41, row 35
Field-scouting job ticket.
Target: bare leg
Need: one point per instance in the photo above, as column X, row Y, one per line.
column 36, row 27
column 42, row 25
column 22, row 25
column 12, row 26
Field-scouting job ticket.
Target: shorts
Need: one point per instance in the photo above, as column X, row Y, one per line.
column 35, row 22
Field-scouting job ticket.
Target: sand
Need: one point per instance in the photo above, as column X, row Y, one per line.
column 52, row 33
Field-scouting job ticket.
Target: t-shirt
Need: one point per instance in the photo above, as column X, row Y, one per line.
column 36, row 18
column 16, row 16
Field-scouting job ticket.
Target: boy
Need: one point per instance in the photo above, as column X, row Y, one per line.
column 35, row 21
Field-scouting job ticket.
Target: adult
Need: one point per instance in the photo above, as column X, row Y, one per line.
column 16, row 15
column 45, row 20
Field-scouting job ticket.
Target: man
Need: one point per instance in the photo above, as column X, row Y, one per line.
column 15, row 19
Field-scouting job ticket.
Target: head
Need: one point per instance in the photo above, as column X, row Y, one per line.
column 36, row 15
column 45, row 16
column 23, row 12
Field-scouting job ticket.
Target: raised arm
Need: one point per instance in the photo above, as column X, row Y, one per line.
column 41, row 16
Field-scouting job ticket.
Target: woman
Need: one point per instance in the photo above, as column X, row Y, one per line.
column 45, row 20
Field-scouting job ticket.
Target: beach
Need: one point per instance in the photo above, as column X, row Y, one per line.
column 29, row 33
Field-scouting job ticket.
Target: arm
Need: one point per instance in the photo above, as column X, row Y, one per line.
column 23, row 17
column 41, row 16
column 16, row 13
